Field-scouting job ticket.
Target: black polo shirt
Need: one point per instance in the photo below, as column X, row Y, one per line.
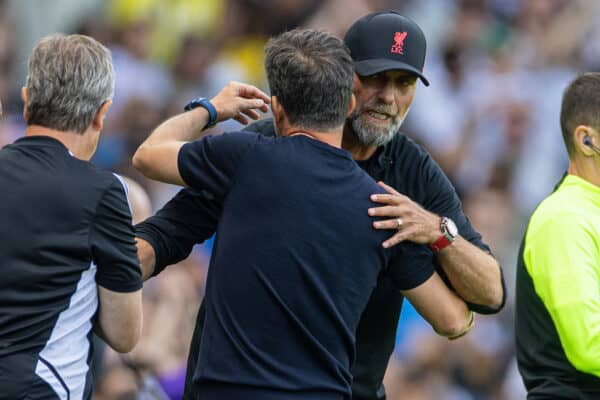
column 192, row 215
column 66, row 228
column 293, row 267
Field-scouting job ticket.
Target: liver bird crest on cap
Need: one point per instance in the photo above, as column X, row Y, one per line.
column 398, row 47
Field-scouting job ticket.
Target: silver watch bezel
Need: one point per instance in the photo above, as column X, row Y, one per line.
column 449, row 229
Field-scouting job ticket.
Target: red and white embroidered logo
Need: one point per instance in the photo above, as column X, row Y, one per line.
column 398, row 47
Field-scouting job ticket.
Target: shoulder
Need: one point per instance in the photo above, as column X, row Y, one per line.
column 264, row 127
column 88, row 178
column 403, row 147
column 413, row 172
column 556, row 216
column 411, row 160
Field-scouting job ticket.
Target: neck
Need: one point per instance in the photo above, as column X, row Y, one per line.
column 332, row 138
column 351, row 143
column 586, row 168
column 77, row 143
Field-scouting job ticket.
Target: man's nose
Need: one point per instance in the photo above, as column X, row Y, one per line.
column 387, row 94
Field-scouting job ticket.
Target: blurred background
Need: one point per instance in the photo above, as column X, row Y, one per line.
column 490, row 118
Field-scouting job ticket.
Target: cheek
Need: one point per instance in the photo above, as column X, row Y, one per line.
column 404, row 99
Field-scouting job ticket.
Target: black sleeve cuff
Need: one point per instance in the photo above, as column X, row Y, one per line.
column 151, row 234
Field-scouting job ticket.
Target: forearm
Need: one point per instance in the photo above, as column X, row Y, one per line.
column 474, row 274
column 443, row 309
column 183, row 127
column 156, row 157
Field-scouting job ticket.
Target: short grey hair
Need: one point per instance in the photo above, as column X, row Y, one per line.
column 311, row 73
column 69, row 78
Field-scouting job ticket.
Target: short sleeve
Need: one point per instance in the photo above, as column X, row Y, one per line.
column 112, row 242
column 410, row 265
column 189, row 218
column 210, row 163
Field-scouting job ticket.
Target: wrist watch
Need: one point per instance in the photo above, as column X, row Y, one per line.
column 206, row 104
column 449, row 234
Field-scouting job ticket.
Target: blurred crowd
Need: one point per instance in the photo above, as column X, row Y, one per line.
column 490, row 118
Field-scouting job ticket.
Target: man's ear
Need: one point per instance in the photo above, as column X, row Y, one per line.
column 276, row 109
column 98, row 121
column 356, row 84
column 24, row 98
column 581, row 135
column 352, row 104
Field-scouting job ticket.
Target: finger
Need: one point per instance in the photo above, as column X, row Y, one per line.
column 241, row 119
column 388, row 188
column 387, row 198
column 249, row 91
column 385, row 211
column 390, row 224
column 248, row 104
column 398, row 237
column 252, row 114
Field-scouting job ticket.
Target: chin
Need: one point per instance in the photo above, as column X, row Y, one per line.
column 373, row 134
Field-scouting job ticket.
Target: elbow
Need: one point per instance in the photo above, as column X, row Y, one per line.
column 455, row 326
column 497, row 300
column 126, row 340
column 142, row 161
column 497, row 296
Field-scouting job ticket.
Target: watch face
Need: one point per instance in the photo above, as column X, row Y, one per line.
column 450, row 227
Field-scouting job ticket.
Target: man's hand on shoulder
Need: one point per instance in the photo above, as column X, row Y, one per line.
column 410, row 221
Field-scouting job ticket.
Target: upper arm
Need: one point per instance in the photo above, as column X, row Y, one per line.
column 113, row 250
column 561, row 256
column 211, row 162
column 410, row 265
column 159, row 162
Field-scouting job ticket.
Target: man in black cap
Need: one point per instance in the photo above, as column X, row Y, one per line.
column 422, row 205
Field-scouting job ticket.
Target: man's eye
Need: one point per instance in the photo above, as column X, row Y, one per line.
column 406, row 82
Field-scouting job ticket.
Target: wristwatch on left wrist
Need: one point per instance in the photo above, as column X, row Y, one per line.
column 206, row 104
column 449, row 234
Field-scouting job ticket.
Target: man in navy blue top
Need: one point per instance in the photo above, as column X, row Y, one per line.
column 295, row 260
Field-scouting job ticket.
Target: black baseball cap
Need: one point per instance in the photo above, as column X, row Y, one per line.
column 384, row 41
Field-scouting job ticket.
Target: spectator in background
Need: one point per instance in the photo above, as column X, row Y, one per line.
column 558, row 272
column 68, row 257
column 386, row 82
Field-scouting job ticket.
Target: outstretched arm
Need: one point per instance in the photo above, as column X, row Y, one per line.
column 157, row 155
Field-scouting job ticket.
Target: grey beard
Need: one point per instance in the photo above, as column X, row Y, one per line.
column 370, row 135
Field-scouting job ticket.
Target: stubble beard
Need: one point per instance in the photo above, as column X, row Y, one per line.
column 371, row 135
